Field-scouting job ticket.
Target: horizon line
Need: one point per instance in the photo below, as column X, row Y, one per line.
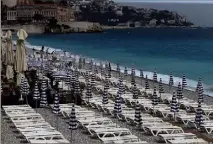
column 168, row 1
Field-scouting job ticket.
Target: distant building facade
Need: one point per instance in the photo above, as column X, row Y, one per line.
column 11, row 15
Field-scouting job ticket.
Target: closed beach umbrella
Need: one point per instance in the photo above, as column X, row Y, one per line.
column 141, row 76
column 102, row 71
column 120, row 79
column 160, row 87
column 138, row 117
column 117, row 106
column 155, row 99
column 106, row 83
column 43, row 100
column 118, row 69
column 179, row 92
column 56, row 106
column 105, row 97
column 200, row 95
column 87, row 76
column 9, row 58
column 109, row 71
column 155, row 77
column 93, row 80
column 72, row 121
column 133, row 71
column 184, row 82
column 146, row 83
column 199, row 85
column 77, row 90
column 95, row 69
column 121, row 88
column 24, row 87
column 90, row 66
column 80, row 63
column 171, row 81
column 199, row 115
column 89, row 91
column 132, row 80
column 135, row 92
column 174, row 105
column 72, row 81
column 36, row 93
column 20, row 59
column 125, row 72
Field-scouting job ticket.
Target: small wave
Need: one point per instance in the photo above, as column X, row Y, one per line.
column 191, row 84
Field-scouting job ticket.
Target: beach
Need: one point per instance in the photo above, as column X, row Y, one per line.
column 80, row 137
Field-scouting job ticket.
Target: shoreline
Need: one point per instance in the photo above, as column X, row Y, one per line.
column 112, row 64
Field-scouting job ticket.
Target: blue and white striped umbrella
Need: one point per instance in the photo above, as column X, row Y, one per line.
column 72, row 81
column 93, row 80
column 76, row 72
column 199, row 85
column 118, row 68
column 135, row 92
column 132, row 80
column 117, row 107
column 146, row 83
column 174, row 104
column 102, row 71
column 133, row 71
column 141, row 73
column 95, row 69
column 36, row 93
column 109, row 71
column 199, row 115
column 43, row 99
column 77, row 90
column 120, row 79
column 89, row 91
column 105, row 96
column 200, row 95
column 25, row 87
column 106, row 83
column 155, row 99
column 179, row 92
column 125, row 71
column 73, row 120
column 171, row 81
column 160, row 87
column 87, row 76
column 90, row 66
column 155, row 76
column 184, row 82
column 121, row 88
column 138, row 117
column 56, row 106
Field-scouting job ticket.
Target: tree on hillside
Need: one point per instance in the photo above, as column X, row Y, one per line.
column 52, row 23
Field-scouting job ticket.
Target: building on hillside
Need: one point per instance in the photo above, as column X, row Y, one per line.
column 48, row 11
column 11, row 15
column 65, row 14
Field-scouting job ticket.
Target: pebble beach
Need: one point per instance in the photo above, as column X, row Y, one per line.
column 79, row 137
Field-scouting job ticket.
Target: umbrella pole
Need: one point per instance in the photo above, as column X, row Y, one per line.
column 71, row 136
column 57, row 122
column 36, row 105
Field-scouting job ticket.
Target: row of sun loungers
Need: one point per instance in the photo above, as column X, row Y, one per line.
column 32, row 127
column 173, row 133
column 100, row 127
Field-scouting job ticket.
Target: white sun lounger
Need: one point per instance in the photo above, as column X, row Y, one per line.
column 48, row 140
column 169, row 129
column 188, row 141
column 166, row 137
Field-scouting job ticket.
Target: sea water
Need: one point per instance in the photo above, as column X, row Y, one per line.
column 178, row 50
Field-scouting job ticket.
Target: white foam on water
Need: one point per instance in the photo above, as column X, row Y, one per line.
column 191, row 84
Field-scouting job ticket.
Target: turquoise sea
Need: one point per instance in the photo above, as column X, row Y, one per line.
column 177, row 50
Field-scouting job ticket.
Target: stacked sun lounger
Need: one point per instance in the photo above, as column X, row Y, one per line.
column 33, row 128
